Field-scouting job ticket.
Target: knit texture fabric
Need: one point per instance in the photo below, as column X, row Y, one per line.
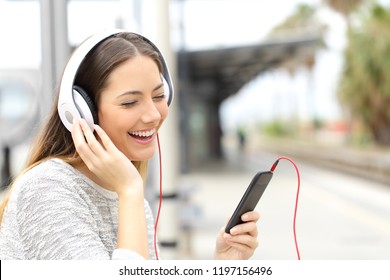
column 56, row 212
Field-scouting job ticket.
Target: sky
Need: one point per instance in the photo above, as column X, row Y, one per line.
column 208, row 24
column 232, row 22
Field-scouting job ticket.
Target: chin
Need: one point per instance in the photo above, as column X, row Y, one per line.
column 141, row 157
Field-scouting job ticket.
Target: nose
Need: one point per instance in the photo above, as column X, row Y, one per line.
column 151, row 113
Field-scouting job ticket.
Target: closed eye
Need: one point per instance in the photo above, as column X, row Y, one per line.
column 128, row 104
column 161, row 96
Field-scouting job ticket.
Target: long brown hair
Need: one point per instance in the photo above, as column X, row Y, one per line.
column 54, row 140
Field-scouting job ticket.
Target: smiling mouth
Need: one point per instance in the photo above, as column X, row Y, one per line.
column 143, row 135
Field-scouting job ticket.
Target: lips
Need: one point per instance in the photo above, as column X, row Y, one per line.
column 143, row 136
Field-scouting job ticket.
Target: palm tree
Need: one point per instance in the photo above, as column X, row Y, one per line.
column 345, row 7
column 303, row 17
column 303, row 22
column 365, row 83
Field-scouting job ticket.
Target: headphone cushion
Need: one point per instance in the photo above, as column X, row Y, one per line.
column 85, row 113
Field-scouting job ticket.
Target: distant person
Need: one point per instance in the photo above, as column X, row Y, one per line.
column 241, row 134
column 81, row 195
column 5, row 175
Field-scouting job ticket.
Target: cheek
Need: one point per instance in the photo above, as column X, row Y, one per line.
column 163, row 109
column 112, row 123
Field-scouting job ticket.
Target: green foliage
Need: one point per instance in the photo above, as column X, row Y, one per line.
column 365, row 83
column 276, row 129
column 318, row 123
column 303, row 17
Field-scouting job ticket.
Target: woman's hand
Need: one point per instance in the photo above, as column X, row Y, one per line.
column 103, row 158
column 117, row 173
column 241, row 243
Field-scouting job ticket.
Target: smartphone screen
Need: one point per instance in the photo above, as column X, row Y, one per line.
column 250, row 198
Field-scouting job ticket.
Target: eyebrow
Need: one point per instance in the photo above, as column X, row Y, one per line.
column 131, row 92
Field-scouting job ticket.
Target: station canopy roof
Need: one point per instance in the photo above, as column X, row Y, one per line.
column 226, row 70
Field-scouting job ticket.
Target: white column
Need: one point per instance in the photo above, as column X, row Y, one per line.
column 55, row 47
column 168, row 229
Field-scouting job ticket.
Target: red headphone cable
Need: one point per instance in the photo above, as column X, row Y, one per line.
column 296, row 199
column 160, row 199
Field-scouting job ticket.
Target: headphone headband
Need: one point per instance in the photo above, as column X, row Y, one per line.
column 73, row 103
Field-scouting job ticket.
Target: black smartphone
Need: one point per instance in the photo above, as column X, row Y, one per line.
column 250, row 198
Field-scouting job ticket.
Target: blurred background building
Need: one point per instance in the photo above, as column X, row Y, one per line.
column 254, row 80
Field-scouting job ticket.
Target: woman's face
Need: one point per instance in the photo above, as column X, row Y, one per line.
column 133, row 106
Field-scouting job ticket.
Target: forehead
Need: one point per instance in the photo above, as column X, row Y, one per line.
column 137, row 73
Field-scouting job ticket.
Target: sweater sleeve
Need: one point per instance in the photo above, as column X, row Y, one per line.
column 55, row 222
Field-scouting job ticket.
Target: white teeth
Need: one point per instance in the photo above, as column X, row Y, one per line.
column 143, row 133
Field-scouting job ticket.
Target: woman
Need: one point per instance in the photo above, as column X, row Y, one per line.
column 82, row 193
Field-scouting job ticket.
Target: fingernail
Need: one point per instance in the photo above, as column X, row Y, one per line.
column 73, row 124
column 227, row 236
column 83, row 123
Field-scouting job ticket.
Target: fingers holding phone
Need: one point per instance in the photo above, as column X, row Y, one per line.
column 248, row 225
column 241, row 242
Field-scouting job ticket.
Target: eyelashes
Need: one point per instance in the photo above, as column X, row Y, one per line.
column 162, row 96
column 128, row 104
column 132, row 103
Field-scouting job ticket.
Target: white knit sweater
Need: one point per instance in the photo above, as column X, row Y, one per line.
column 55, row 212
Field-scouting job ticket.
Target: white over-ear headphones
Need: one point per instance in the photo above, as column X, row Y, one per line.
column 74, row 102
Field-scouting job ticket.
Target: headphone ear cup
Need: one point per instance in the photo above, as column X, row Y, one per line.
column 167, row 90
column 85, row 106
